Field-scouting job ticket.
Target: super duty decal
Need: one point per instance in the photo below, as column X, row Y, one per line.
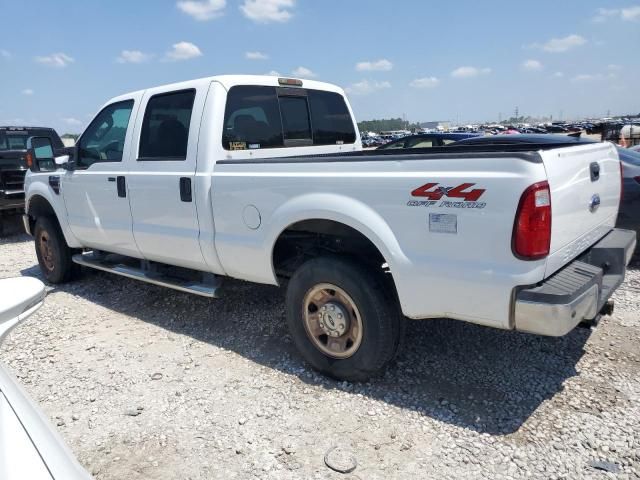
column 434, row 193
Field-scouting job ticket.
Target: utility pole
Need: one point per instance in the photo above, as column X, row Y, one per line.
column 517, row 117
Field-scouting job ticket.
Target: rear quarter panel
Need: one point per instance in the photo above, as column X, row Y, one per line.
column 466, row 275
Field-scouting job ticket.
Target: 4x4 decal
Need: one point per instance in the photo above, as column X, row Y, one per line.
column 436, row 195
column 433, row 191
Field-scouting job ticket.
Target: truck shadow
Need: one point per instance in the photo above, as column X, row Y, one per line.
column 11, row 229
column 487, row 380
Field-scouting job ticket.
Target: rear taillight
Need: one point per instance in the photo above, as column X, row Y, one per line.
column 532, row 229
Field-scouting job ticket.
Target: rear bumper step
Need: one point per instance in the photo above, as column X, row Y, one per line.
column 135, row 269
column 579, row 291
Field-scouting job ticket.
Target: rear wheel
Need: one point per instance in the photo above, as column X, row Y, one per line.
column 342, row 319
column 54, row 255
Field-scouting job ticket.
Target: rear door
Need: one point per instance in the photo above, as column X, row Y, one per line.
column 161, row 179
column 585, row 194
column 94, row 193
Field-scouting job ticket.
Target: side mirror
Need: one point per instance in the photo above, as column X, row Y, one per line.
column 41, row 155
column 19, row 298
column 62, row 160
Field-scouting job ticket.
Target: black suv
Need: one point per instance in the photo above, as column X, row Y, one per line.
column 13, row 147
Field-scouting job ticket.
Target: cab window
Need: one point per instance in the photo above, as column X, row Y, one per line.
column 271, row 117
column 165, row 127
column 252, row 119
column 103, row 141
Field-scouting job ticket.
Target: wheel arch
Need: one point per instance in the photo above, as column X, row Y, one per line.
column 39, row 203
column 336, row 215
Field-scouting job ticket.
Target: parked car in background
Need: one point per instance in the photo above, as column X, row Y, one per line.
column 629, row 213
column 30, row 448
column 427, row 140
column 13, row 148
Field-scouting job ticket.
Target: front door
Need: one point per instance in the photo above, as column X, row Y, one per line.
column 95, row 193
column 161, row 181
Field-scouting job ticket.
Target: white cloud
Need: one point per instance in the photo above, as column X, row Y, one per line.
column 132, row 56
column 58, row 60
column 27, row 91
column 273, row 73
column 265, row 11
column 532, row 65
column 5, row 54
column 303, row 72
column 560, row 45
column 382, row 65
column 613, row 67
column 425, row 82
column 256, row 56
column 365, row 87
column 183, row 51
column 628, row 14
column 73, row 122
column 558, row 75
column 590, row 77
column 202, row 10
column 470, row 72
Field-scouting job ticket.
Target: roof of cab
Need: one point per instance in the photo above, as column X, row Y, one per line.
column 228, row 81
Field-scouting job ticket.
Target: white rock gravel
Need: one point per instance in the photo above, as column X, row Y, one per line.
column 144, row 382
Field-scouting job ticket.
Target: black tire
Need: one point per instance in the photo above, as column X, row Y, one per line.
column 54, row 255
column 382, row 321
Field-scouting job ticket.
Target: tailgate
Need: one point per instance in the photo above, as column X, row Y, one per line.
column 585, row 195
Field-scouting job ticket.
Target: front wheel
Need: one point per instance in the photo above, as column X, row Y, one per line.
column 54, row 255
column 342, row 319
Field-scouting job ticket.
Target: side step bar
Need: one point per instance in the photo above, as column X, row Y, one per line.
column 126, row 267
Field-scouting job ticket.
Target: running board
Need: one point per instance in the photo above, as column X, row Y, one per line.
column 126, row 267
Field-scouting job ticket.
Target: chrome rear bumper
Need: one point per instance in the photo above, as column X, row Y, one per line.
column 578, row 291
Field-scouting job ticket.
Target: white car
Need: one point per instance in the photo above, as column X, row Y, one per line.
column 30, row 448
column 264, row 179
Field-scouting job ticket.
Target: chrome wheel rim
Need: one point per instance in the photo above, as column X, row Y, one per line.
column 332, row 321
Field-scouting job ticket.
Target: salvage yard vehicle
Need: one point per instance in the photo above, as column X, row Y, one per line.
column 13, row 147
column 263, row 179
column 30, row 448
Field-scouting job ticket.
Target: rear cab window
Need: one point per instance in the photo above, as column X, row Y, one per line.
column 258, row 117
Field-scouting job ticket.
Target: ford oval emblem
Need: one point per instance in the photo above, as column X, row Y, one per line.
column 594, row 203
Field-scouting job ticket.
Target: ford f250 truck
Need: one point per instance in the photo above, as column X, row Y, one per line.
column 263, row 179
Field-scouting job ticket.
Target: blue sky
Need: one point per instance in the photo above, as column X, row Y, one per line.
column 464, row 60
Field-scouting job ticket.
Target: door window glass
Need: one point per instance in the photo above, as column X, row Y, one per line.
column 103, row 140
column 165, row 127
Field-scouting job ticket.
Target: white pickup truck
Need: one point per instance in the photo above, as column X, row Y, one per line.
column 263, row 179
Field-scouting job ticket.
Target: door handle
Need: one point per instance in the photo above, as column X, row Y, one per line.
column 185, row 189
column 122, row 186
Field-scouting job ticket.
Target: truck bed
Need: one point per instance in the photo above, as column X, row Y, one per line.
column 442, row 217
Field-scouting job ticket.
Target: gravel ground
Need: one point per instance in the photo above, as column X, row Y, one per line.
column 144, row 382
